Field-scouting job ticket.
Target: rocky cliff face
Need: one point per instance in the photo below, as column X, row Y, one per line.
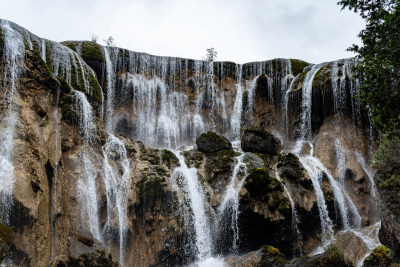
column 98, row 163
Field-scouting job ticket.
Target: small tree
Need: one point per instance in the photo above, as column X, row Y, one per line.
column 211, row 54
column 109, row 41
column 94, row 38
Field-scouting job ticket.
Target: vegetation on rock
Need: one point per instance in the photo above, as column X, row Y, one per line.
column 298, row 66
column 6, row 239
column 379, row 257
column 259, row 184
column 211, row 142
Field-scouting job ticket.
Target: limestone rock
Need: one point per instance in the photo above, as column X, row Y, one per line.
column 211, row 142
column 259, row 141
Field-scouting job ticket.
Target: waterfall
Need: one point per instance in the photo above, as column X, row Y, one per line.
column 87, row 189
column 229, row 205
column 341, row 160
column 53, row 203
column 236, row 119
column 110, row 74
column 305, row 124
column 346, row 207
column 295, row 218
column 367, row 171
column 308, row 163
column 13, row 60
column 195, row 196
column 117, row 188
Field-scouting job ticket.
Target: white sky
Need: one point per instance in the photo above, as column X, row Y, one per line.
column 240, row 30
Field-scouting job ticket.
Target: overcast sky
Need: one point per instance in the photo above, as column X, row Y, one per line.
column 240, row 30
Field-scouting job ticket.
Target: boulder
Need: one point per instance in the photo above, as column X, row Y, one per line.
column 211, row 142
column 266, row 256
column 259, row 141
column 84, row 250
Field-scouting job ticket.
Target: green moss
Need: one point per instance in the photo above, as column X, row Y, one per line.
column 170, row 158
column 96, row 93
column 259, row 184
column 273, row 254
column 151, row 187
column 298, row 66
column 64, row 86
column 67, row 110
column 392, row 182
column 380, row 256
column 6, row 239
column 92, row 51
column 193, row 158
column 279, row 202
column 322, row 78
column 78, row 81
column 223, row 158
column 299, row 81
column 70, row 45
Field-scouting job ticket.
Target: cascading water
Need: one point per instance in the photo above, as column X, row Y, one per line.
column 230, row 202
column 194, row 193
column 305, row 125
column 13, row 58
column 236, row 119
column 295, row 218
column 316, row 178
column 367, row 170
column 87, row 183
column 117, row 188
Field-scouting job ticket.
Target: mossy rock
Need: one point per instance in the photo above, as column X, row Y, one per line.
column 64, row 86
column 78, row 81
column 211, row 142
column 168, row 157
column 272, row 255
column 6, row 239
column 259, row 184
column 379, row 257
column 70, row 45
column 67, row 108
column 193, row 158
column 151, row 187
column 259, row 141
column 322, row 79
column 92, row 51
column 298, row 66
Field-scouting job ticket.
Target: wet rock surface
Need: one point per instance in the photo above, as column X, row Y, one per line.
column 211, row 142
column 259, row 141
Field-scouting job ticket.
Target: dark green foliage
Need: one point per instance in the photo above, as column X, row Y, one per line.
column 379, row 257
column 298, row 66
column 380, row 59
column 387, row 160
column 259, row 184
